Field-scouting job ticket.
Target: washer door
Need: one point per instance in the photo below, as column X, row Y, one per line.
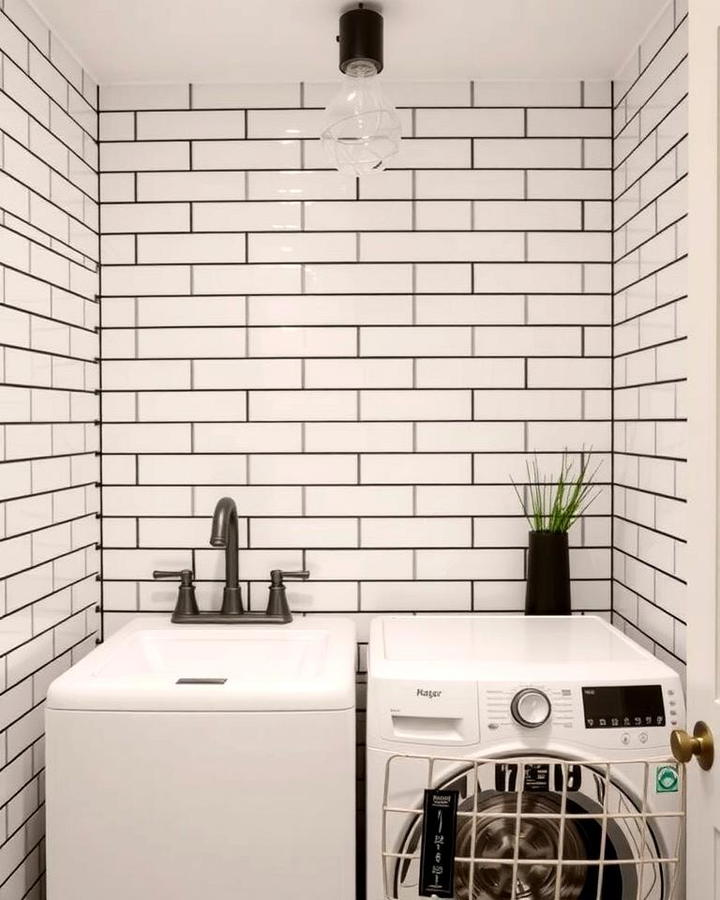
column 493, row 837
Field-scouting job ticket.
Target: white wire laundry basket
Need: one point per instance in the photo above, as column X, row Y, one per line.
column 540, row 827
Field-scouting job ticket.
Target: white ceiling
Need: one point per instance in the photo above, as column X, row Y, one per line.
column 293, row 40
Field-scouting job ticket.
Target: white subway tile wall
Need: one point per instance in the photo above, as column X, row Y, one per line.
column 649, row 331
column 49, row 435
column 361, row 364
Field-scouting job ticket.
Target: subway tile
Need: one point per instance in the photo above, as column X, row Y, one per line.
column 415, row 341
column 134, row 217
column 139, row 374
column 287, row 124
column 173, row 186
column 305, row 342
column 247, row 216
column 191, row 406
column 137, row 280
column 415, row 405
column 242, row 155
column 580, row 246
column 569, row 123
column 478, row 563
column 246, row 437
column 196, row 125
column 338, row 309
column 527, row 215
column 354, row 564
column 147, row 501
column 302, row 248
column 456, row 309
column 190, row 248
column 527, row 153
column 359, row 501
column 300, row 186
column 414, row 596
column 526, row 405
column 466, row 436
column 244, row 279
column 247, row 374
column 191, row 469
column 117, row 126
column 303, row 532
column 298, row 406
column 589, row 184
column 199, row 311
column 244, row 96
column 429, row 153
column 527, row 341
column 446, row 246
column 358, row 373
column 305, row 468
column 190, row 342
column 469, row 122
column 581, row 373
column 526, row 93
column 146, row 438
column 144, row 96
column 148, row 156
column 371, row 278
column 359, row 437
column 417, row 468
column 436, row 215
column 527, row 278
column 478, row 184
column 415, row 532
column 358, row 215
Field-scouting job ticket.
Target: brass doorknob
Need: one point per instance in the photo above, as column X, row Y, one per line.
column 700, row 744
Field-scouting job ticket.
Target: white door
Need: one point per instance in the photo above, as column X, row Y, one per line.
column 703, row 395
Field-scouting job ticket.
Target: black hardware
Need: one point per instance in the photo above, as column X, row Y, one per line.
column 224, row 533
column 186, row 602
column 361, row 37
column 277, row 599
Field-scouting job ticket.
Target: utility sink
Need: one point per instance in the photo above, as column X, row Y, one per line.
column 190, row 761
column 151, row 664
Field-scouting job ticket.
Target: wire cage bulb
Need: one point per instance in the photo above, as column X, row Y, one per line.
column 362, row 128
column 361, row 133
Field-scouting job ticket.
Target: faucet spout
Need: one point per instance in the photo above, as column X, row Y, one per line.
column 224, row 533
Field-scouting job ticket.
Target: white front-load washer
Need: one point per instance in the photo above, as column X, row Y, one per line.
column 555, row 734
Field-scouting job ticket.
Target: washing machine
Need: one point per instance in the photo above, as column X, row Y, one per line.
column 552, row 735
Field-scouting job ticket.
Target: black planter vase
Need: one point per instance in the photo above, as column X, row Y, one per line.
column 548, row 575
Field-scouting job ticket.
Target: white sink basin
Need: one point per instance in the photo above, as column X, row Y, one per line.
column 153, row 664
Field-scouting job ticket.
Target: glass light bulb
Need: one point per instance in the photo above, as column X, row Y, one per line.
column 362, row 128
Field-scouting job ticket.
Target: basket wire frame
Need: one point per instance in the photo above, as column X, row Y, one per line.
column 648, row 859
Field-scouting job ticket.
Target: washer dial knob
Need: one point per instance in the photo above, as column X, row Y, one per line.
column 531, row 708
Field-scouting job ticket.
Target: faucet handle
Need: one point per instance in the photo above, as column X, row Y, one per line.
column 186, row 603
column 277, row 576
column 185, row 576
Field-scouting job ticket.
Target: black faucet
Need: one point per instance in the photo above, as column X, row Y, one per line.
column 225, row 534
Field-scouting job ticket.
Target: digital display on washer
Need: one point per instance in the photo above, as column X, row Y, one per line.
column 623, row 706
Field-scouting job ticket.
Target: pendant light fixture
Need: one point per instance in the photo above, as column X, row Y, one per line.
column 362, row 128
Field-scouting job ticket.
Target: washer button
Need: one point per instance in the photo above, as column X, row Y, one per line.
column 625, row 738
column 642, row 737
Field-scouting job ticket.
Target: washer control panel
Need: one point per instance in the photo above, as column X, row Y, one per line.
column 531, row 707
column 623, row 706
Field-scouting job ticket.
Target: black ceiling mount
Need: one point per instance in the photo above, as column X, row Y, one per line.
column 361, row 37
